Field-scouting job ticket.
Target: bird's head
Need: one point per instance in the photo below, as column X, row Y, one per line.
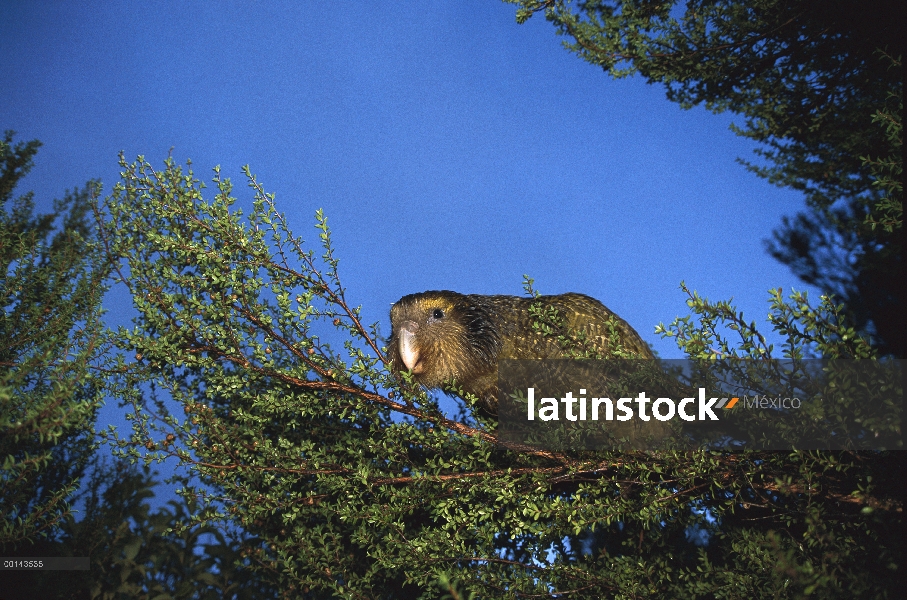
column 443, row 335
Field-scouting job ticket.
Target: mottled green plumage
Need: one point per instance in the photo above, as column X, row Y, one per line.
column 444, row 336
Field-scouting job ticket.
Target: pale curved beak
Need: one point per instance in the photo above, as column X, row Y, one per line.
column 409, row 350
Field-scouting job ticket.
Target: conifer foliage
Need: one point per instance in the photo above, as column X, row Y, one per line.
column 819, row 86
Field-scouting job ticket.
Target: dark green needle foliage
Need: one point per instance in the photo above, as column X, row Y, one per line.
column 249, row 364
column 819, row 85
column 51, row 283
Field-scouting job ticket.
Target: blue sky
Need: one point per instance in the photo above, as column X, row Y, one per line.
column 450, row 147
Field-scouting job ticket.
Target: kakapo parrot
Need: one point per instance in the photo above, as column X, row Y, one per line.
column 444, row 336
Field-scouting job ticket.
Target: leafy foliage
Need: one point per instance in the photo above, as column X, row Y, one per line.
column 357, row 485
column 52, row 381
column 137, row 552
column 51, row 283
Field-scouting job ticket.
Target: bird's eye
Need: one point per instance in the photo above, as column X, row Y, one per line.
column 437, row 313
